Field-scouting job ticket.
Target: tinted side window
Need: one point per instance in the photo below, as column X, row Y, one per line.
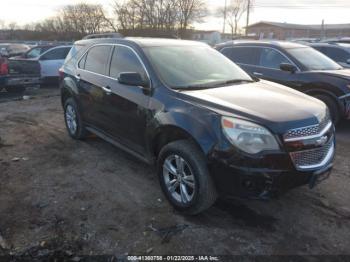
column 319, row 48
column 125, row 60
column 271, row 58
column 97, row 59
column 337, row 54
column 56, row 54
column 242, row 55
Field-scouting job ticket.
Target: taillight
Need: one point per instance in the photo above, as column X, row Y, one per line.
column 61, row 73
column 4, row 68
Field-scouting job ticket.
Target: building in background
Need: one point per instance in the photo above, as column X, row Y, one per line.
column 212, row 37
column 285, row 31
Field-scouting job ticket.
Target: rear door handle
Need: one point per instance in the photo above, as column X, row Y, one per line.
column 258, row 74
column 77, row 77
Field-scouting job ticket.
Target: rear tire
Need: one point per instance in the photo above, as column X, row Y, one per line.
column 14, row 90
column 184, row 177
column 332, row 106
column 75, row 126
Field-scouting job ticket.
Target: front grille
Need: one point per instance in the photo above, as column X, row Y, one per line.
column 313, row 158
column 309, row 130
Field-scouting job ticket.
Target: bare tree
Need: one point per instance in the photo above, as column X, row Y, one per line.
column 2, row 24
column 159, row 14
column 234, row 12
column 12, row 26
column 191, row 11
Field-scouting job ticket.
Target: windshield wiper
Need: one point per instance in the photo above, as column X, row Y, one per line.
column 237, row 81
column 213, row 85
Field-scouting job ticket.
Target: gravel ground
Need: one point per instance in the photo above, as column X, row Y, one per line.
column 90, row 198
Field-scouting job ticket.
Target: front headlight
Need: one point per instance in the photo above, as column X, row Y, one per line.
column 247, row 136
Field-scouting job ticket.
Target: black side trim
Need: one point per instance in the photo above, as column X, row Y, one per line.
column 121, row 146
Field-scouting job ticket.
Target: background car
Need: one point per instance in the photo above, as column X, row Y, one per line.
column 37, row 51
column 297, row 66
column 50, row 62
column 339, row 52
column 9, row 50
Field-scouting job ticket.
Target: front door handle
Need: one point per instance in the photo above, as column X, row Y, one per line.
column 258, row 74
column 107, row 90
column 77, row 76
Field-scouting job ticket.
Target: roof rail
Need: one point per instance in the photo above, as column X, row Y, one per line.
column 104, row 35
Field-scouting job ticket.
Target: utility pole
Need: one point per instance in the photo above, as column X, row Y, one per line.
column 323, row 33
column 225, row 11
column 248, row 13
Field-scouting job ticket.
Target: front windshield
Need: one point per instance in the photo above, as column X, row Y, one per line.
column 312, row 59
column 193, row 66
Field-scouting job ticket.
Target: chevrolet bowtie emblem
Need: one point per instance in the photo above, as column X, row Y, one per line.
column 322, row 141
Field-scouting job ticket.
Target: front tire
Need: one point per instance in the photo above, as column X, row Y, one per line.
column 184, row 177
column 73, row 120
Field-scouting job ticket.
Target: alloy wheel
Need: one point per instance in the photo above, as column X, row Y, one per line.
column 179, row 179
column 71, row 119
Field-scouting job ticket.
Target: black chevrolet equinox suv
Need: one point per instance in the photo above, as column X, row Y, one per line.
column 208, row 126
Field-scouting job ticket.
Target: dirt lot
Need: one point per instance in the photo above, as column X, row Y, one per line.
column 57, row 194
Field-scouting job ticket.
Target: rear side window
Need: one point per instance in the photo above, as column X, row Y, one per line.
column 125, row 60
column 271, row 58
column 56, row 54
column 337, row 54
column 242, row 55
column 97, row 59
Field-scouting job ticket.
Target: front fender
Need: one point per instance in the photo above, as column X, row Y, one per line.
column 201, row 127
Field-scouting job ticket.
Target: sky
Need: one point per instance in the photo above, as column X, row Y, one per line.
column 290, row 11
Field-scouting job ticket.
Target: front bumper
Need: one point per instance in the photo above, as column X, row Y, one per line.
column 262, row 183
column 345, row 102
column 271, row 173
column 347, row 108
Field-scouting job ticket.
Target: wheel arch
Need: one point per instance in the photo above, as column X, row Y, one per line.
column 169, row 133
column 68, row 89
column 315, row 91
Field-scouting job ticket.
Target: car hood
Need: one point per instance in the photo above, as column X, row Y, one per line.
column 276, row 106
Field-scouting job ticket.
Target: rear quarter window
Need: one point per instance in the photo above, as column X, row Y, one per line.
column 75, row 52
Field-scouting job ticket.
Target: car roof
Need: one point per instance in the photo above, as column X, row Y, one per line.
column 140, row 41
column 336, row 45
column 265, row 43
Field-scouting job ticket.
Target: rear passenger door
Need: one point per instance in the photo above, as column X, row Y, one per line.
column 126, row 107
column 92, row 81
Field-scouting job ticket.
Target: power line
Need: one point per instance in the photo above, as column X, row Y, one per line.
column 299, row 6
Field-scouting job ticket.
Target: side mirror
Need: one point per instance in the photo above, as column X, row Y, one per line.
column 348, row 61
column 288, row 67
column 132, row 79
